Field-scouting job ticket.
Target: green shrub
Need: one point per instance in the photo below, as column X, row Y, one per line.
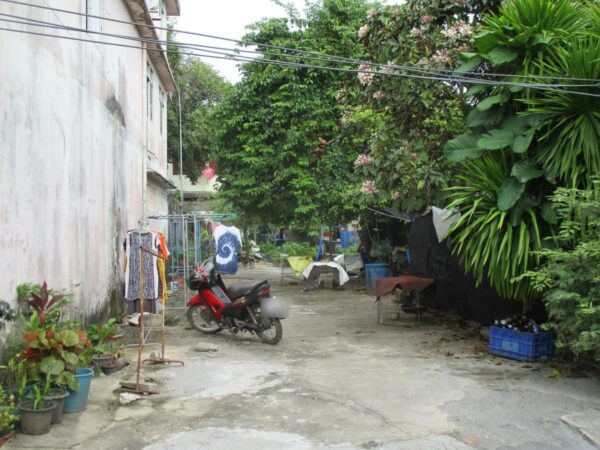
column 569, row 278
column 290, row 248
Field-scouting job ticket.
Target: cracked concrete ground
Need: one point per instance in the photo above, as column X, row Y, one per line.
column 338, row 381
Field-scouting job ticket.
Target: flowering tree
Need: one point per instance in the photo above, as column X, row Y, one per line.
column 409, row 119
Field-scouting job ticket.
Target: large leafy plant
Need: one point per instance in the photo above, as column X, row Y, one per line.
column 53, row 347
column 492, row 242
column 538, row 137
column 53, row 352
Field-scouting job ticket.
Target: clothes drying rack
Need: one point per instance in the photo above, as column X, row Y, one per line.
column 180, row 228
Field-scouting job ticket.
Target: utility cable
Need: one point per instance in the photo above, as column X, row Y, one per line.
column 221, row 50
column 320, row 55
column 227, row 56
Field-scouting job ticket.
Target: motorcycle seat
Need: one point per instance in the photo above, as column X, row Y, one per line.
column 238, row 290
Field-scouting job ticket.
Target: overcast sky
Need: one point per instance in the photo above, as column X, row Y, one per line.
column 226, row 18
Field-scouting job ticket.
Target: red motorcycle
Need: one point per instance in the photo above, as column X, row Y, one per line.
column 242, row 306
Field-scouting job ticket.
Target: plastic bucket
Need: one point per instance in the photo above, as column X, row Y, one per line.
column 374, row 271
column 77, row 401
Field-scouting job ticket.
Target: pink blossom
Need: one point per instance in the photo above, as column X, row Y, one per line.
column 417, row 32
column 396, row 195
column 379, row 95
column 368, row 187
column 463, row 28
column 450, row 34
column 363, row 160
column 441, row 57
column 365, row 76
column 363, row 31
column 372, row 13
column 426, row 19
column 459, row 30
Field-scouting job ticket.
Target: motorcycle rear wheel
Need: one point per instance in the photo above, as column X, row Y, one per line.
column 272, row 334
column 202, row 320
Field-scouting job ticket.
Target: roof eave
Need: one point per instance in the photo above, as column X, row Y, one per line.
column 139, row 14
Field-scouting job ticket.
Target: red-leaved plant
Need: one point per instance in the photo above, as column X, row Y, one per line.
column 45, row 302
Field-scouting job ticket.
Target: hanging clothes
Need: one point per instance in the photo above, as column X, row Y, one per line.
column 228, row 240
column 164, row 291
column 136, row 239
column 164, row 250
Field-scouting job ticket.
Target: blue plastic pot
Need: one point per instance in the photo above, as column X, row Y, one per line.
column 77, row 401
column 374, row 271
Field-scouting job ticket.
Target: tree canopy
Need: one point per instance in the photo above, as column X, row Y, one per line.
column 282, row 159
column 201, row 89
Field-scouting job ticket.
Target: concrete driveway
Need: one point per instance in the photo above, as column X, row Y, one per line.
column 338, row 380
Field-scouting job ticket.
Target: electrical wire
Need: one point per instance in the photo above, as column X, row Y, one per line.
column 211, row 49
column 227, row 56
column 320, row 55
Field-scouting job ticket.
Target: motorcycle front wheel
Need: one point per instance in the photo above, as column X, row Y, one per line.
column 272, row 331
column 202, row 320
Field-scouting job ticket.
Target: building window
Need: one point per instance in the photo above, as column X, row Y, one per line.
column 161, row 99
column 94, row 8
column 149, row 89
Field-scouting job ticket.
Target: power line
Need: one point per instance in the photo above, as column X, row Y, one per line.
column 210, row 49
column 320, row 55
column 227, row 56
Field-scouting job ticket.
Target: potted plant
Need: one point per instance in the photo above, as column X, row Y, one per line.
column 57, row 394
column 36, row 413
column 54, row 349
column 105, row 347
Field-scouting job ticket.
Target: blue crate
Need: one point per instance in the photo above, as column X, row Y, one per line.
column 520, row 345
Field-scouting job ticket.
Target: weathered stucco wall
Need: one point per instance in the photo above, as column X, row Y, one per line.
column 72, row 159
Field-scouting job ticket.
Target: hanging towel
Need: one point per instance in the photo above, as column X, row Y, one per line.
column 228, row 241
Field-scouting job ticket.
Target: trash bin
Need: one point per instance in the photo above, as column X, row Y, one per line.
column 374, row 271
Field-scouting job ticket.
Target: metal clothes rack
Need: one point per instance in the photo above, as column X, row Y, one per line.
column 186, row 246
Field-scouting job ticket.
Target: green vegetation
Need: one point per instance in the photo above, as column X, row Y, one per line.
column 201, row 89
column 282, row 159
column 523, row 143
column 301, row 146
column 569, row 277
column 290, row 248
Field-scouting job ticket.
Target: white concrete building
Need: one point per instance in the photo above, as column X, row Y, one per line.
column 83, row 154
column 203, row 188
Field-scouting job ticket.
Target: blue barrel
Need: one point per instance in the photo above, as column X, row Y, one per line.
column 348, row 238
column 374, row 271
column 77, row 401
